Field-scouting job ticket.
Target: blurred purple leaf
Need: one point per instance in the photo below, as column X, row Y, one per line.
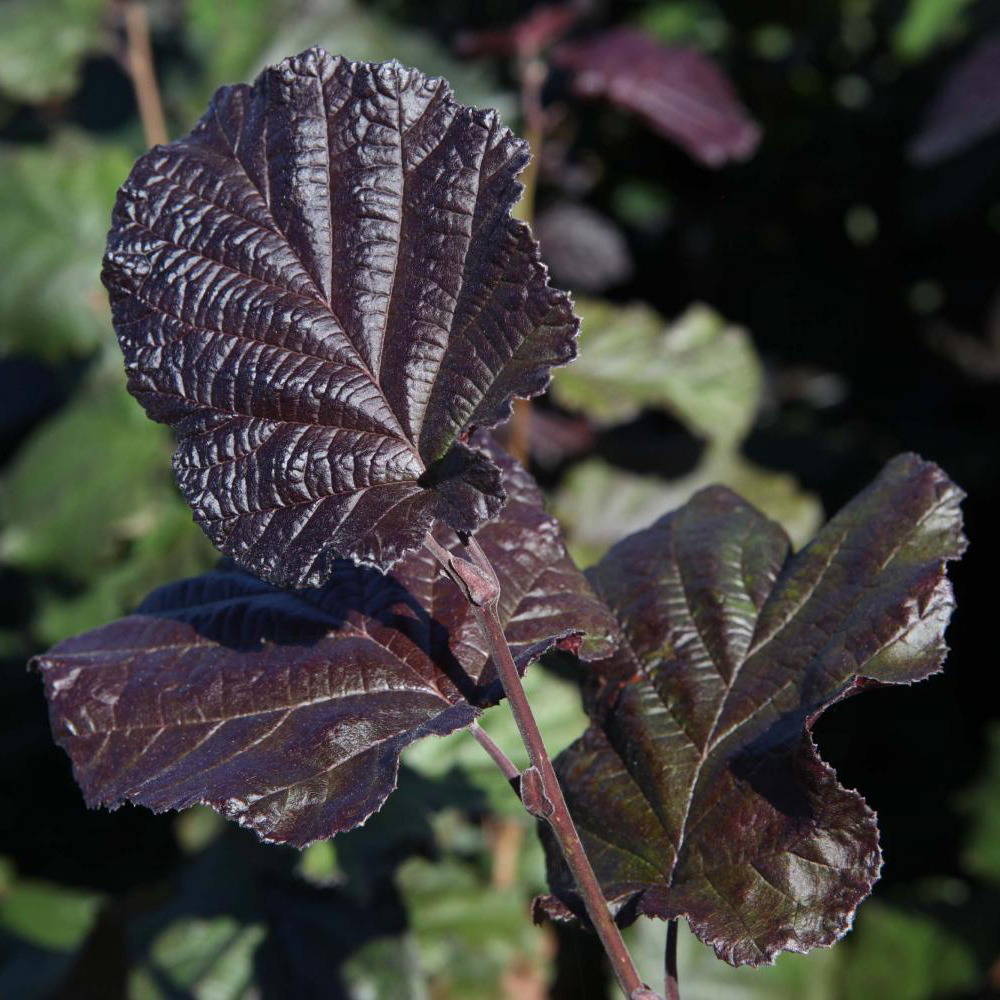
column 583, row 249
column 680, row 93
column 287, row 710
column 321, row 289
column 697, row 789
column 965, row 110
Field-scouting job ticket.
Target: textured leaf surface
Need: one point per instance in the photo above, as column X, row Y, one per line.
column 287, row 710
column 322, row 290
column 679, row 92
column 965, row 110
column 697, row 787
column 703, row 370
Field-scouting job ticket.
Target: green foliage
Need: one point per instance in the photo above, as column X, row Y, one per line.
column 699, row 368
column 982, row 805
column 42, row 43
column 925, row 24
column 55, row 202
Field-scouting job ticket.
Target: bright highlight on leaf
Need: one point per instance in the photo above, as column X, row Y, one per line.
column 697, row 788
column 322, row 290
column 287, row 710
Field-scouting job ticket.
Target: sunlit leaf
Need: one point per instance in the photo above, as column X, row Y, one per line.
column 286, row 710
column 703, row 370
column 322, row 290
column 697, row 787
column 598, row 504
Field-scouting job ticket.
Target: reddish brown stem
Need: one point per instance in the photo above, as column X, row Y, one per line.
column 540, row 790
column 139, row 56
column 673, row 990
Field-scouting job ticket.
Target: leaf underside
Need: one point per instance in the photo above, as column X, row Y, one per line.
column 322, row 290
column 680, row 93
column 287, row 710
column 697, row 788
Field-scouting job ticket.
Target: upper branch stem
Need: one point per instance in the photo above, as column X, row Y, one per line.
column 540, row 789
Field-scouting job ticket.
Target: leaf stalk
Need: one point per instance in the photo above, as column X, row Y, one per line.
column 546, row 798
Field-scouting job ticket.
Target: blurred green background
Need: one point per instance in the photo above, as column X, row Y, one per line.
column 784, row 325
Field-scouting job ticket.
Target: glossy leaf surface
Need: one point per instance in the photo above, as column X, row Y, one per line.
column 322, row 290
column 287, row 710
column 697, row 787
column 679, row 92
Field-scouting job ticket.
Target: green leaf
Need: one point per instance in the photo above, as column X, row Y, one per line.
column 926, row 24
column 699, row 368
column 598, row 504
column 201, row 959
column 52, row 917
column 92, row 480
column 470, row 932
column 55, row 203
column 43, row 42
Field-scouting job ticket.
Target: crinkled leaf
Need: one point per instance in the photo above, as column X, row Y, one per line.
column 598, row 504
column 697, row 787
column 680, row 92
column 703, row 370
column 965, row 110
column 322, row 290
column 287, row 710
column 54, row 202
column 43, row 43
column 236, row 41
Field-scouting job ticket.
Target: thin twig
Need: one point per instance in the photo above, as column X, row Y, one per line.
column 139, row 58
column 510, row 770
column 531, row 73
column 673, row 990
column 540, row 791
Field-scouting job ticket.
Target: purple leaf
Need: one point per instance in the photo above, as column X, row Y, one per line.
column 287, row 710
column 697, row 788
column 966, row 109
column 322, row 290
column 679, row 92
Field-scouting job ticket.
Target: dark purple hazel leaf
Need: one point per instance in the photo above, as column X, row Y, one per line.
column 697, row 788
column 679, row 92
column 965, row 110
column 322, row 290
column 287, row 710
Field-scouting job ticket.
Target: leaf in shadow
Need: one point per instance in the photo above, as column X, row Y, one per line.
column 697, row 787
column 287, row 710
